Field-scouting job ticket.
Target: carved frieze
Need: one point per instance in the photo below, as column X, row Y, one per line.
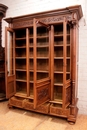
column 48, row 20
column 22, row 24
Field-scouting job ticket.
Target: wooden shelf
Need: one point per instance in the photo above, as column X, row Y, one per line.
column 20, row 57
column 22, row 47
column 58, row 35
column 21, row 80
column 21, row 94
column 61, row 45
column 21, row 70
column 22, row 38
column 30, row 97
column 42, row 46
column 60, row 72
column 58, row 84
column 43, row 36
column 31, row 82
column 42, row 57
column 57, row 101
column 58, row 57
column 31, row 37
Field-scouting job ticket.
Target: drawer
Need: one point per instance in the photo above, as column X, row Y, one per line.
column 42, row 108
column 55, row 110
column 16, row 101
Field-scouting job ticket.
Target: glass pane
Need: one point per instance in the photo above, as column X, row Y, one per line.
column 42, row 52
column 10, row 53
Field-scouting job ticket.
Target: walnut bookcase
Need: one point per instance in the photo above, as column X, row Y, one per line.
column 41, row 62
column 3, row 9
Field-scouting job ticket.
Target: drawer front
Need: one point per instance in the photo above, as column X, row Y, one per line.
column 59, row 111
column 42, row 108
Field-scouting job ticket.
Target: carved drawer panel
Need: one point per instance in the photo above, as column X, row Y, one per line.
column 42, row 108
column 28, row 105
column 54, row 110
column 16, row 101
column 45, row 108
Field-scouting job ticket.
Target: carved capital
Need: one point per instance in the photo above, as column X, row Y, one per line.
column 72, row 22
column 3, row 9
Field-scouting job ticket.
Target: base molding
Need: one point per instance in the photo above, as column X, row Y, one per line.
column 69, row 113
column 73, row 114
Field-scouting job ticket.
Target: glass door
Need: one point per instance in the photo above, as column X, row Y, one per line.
column 9, row 60
column 41, row 63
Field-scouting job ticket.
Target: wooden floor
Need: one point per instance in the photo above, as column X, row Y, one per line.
column 17, row 119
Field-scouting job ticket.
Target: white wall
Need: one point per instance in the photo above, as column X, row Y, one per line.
column 22, row 7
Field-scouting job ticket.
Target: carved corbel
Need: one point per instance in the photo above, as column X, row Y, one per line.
column 72, row 22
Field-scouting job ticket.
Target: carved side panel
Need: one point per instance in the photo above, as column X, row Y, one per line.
column 68, row 95
column 43, row 94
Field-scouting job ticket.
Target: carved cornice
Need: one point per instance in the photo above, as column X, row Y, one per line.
column 53, row 16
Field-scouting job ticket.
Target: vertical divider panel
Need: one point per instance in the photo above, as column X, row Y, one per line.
column 14, row 61
column 52, row 62
column 64, row 61
column 34, row 45
column 27, row 59
column 49, row 53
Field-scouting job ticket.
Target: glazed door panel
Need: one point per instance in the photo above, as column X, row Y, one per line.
column 41, row 63
column 9, row 59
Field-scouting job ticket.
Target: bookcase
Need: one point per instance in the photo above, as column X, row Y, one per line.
column 41, row 62
column 3, row 9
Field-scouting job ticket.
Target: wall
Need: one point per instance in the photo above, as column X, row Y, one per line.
column 22, row 7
